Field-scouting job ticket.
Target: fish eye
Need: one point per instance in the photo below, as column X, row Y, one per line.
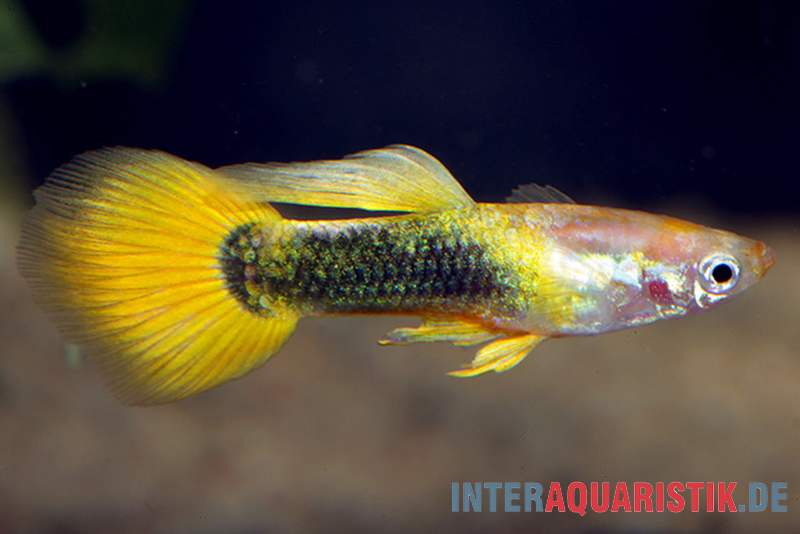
column 722, row 273
column 719, row 273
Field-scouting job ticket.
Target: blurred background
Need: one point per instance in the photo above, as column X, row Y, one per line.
column 684, row 108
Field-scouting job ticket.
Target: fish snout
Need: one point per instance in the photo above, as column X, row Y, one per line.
column 764, row 257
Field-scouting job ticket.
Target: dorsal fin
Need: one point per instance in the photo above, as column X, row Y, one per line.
column 536, row 193
column 395, row 178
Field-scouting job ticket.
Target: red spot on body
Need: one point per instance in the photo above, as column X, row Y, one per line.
column 659, row 290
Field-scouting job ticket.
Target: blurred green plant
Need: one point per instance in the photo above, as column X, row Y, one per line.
column 119, row 40
column 21, row 50
column 132, row 40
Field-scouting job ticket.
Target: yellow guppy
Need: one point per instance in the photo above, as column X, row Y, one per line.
column 177, row 278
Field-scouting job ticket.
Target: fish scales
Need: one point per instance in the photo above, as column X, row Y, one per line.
column 402, row 265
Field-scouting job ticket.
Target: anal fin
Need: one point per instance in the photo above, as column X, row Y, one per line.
column 500, row 355
column 462, row 333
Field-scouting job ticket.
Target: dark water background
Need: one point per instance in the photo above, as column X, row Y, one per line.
column 689, row 108
column 640, row 101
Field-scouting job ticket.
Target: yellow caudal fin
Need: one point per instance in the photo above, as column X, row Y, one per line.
column 122, row 247
column 395, row 178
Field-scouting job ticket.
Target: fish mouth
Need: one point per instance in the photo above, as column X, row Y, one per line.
column 765, row 257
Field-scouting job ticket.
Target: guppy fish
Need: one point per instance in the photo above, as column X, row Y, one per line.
column 177, row 278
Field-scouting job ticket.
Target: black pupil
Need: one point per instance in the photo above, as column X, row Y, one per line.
column 722, row 273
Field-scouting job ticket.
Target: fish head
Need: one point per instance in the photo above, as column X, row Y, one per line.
column 609, row 269
column 724, row 265
column 691, row 268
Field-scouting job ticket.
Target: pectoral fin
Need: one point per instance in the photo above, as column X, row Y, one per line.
column 500, row 355
column 463, row 333
column 395, row 178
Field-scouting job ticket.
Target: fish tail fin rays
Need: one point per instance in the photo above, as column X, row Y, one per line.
column 122, row 247
column 500, row 355
column 395, row 178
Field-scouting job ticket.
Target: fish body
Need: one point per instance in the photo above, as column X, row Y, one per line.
column 178, row 277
